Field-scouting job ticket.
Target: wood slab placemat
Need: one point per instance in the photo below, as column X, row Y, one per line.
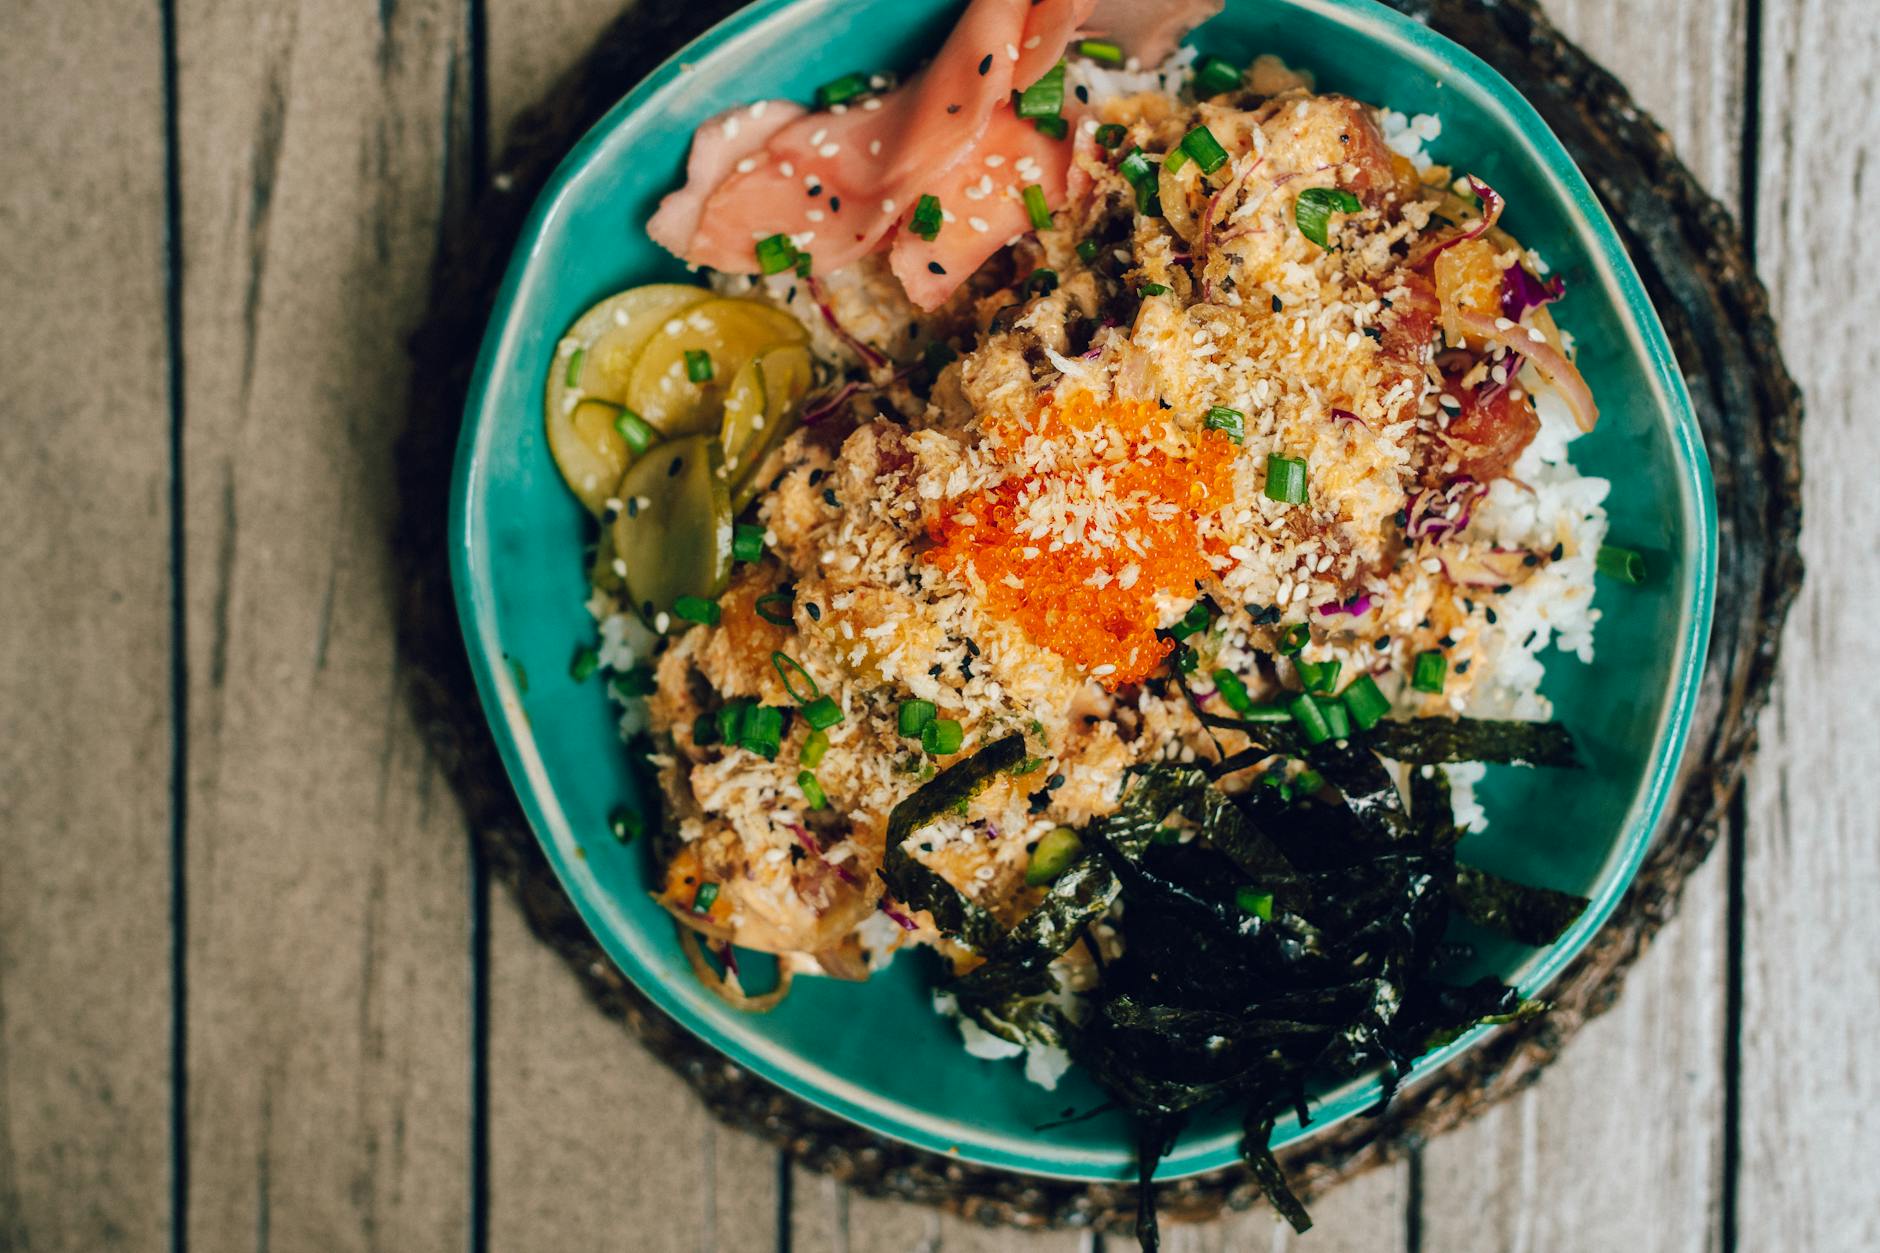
column 1696, row 268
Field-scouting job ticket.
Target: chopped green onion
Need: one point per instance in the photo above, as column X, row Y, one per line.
column 927, row 217
column 1309, row 781
column 626, row 825
column 775, row 254
column 803, row 263
column 1214, row 75
column 1233, row 691
column 1318, row 676
column 1294, row 638
column 573, row 377
column 1035, row 207
column 1142, row 176
column 1620, row 563
column 775, row 617
column 1087, row 249
column 637, row 681
column 1100, row 50
column 698, row 365
column 1366, row 704
column 914, row 716
column 747, row 542
column 812, row 790
column 784, row 663
column 762, row 732
column 814, row 746
column 1196, row 619
column 705, row 898
column 1230, row 422
column 1201, row 144
column 1174, row 161
column 1057, row 849
column 696, row 609
column 841, row 90
column 1259, row 904
column 586, row 662
column 1266, row 713
column 1044, row 98
column 1311, row 718
column 1432, row 668
column 1335, row 716
column 1285, row 479
column 635, row 430
column 705, row 730
column 1052, row 127
column 1111, row 135
column 822, row 713
column 1314, row 208
column 731, row 716
column 1041, row 281
column 1152, row 289
column 942, row 736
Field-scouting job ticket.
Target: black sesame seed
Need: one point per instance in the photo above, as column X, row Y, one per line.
column 678, row 464
column 835, row 204
column 1039, row 802
column 953, row 108
column 1502, row 589
column 633, row 507
column 829, row 497
column 1560, row 550
column 1381, row 643
column 1055, row 782
column 985, row 64
column 1462, row 667
column 648, row 608
column 1447, row 641
column 1489, row 613
column 935, row 267
column 1278, row 304
column 1083, row 94
column 816, row 190
column 814, row 611
column 1530, row 560
column 934, row 672
column 817, row 476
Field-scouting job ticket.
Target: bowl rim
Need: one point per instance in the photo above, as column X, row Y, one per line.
column 1597, row 241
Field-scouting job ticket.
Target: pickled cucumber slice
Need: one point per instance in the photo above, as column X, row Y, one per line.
column 675, row 532
column 593, row 364
column 744, row 421
column 786, row 374
column 730, row 332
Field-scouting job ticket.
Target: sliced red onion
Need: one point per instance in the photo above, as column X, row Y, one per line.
column 1346, row 415
column 1521, row 291
column 1550, row 361
column 729, row 956
column 1428, row 515
column 816, row 411
column 810, row 842
column 900, row 919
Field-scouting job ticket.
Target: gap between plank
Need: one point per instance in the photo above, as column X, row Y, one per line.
column 179, row 643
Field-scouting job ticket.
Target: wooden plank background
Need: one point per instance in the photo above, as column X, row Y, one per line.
column 255, row 990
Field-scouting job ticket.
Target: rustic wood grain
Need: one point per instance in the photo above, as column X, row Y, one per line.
column 593, row 1144
column 1622, row 1145
column 1810, row 1088
column 85, row 761
column 328, row 916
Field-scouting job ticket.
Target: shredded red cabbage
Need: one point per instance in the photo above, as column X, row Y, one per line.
column 900, row 919
column 809, row 842
column 1346, row 415
column 817, row 410
column 1433, row 514
column 1521, row 291
column 1492, row 205
column 870, row 357
column 1357, row 605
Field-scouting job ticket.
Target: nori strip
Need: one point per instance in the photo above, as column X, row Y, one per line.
column 913, row 883
column 1017, row 964
column 1532, row 915
column 1433, row 741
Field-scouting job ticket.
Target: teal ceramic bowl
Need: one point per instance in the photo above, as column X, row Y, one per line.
column 876, row 1053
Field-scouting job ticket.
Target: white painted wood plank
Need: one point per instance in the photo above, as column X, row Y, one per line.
column 1811, row 932
column 328, row 918
column 1621, row 1143
column 85, row 633
column 594, row 1145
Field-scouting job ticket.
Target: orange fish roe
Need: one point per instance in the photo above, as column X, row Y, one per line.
column 1095, row 608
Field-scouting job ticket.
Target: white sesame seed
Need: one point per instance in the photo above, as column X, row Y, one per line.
column 871, row 104
column 730, row 128
column 747, row 165
column 887, row 206
column 978, row 224
column 760, row 108
column 1534, row 333
column 1011, row 52
column 874, row 147
column 822, row 133
column 829, row 150
column 995, row 160
column 1503, row 324
column 814, row 215
column 662, row 622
